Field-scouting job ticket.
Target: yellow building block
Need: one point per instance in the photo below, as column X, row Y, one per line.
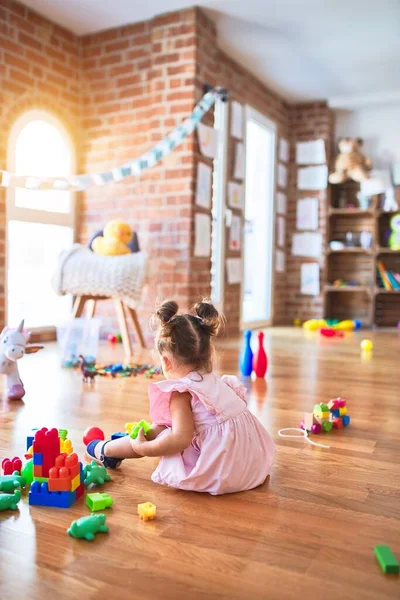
column 129, row 427
column 147, row 511
column 343, row 411
column 66, row 446
column 75, row 483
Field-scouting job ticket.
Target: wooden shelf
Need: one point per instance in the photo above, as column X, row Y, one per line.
column 356, row 250
column 384, row 250
column 353, row 212
column 379, row 290
column 347, row 288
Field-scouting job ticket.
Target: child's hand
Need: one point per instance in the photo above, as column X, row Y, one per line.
column 140, row 443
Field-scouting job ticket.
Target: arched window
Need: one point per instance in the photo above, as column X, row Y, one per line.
column 40, row 224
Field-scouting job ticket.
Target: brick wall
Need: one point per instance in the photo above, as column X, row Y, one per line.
column 307, row 122
column 39, row 68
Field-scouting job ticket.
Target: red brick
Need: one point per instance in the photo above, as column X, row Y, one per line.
column 10, row 86
column 27, row 40
column 115, row 46
column 21, row 24
column 11, row 46
column 166, row 58
column 36, row 58
column 132, row 80
column 23, row 64
column 21, row 77
column 112, row 59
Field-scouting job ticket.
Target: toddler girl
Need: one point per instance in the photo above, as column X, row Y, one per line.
column 207, row 438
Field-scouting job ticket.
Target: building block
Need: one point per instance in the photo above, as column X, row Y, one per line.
column 41, row 479
column 87, row 527
column 47, row 443
column 327, row 426
column 118, row 434
column 335, row 412
column 343, row 411
column 133, row 428
column 10, row 465
column 66, row 446
column 38, row 459
column 29, row 442
column 39, row 495
column 75, row 483
column 63, row 433
column 341, row 402
column 346, row 420
column 98, row 501
column 59, row 479
column 337, row 423
column 147, row 511
column 37, row 471
column 79, row 490
column 387, row 560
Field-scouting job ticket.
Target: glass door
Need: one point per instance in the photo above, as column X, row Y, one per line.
column 259, row 220
column 40, row 224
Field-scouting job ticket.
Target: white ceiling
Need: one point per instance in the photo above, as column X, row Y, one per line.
column 346, row 51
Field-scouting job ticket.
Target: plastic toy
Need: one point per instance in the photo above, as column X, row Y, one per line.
column 133, row 428
column 387, row 560
column 115, row 239
column 314, row 324
column 10, row 501
column 10, row 466
column 39, row 495
column 119, row 370
column 260, row 361
column 92, row 433
column 147, row 511
column 9, row 483
column 246, row 356
column 98, row 501
column 88, row 373
column 326, row 417
column 394, row 239
column 347, row 325
column 112, row 338
column 96, row 474
column 118, row 435
column 13, row 346
column 87, row 527
column 297, row 322
column 330, row 332
column 27, row 471
column 366, row 345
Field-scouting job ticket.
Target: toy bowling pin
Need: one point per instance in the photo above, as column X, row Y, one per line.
column 246, row 356
column 260, row 362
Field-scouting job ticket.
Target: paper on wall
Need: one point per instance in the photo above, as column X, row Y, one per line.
column 238, row 171
column 282, row 176
column 281, row 231
column 307, row 214
column 236, row 120
column 283, row 150
column 312, row 178
column 309, row 278
column 235, row 194
column 307, row 244
column 235, row 233
column 208, row 140
column 203, row 185
column 234, row 270
column 202, row 235
column 311, row 153
column 280, row 261
column 396, row 174
column 378, row 182
column 281, row 202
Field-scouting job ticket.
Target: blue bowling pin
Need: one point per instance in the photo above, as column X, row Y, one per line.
column 246, row 356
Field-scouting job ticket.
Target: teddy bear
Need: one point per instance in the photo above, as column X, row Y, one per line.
column 350, row 163
column 115, row 239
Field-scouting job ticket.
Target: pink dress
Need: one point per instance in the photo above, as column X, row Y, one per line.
column 230, row 452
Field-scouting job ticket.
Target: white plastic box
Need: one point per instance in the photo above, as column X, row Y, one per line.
column 78, row 336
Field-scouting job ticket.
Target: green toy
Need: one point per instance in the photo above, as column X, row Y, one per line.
column 8, row 483
column 87, row 527
column 95, row 474
column 394, row 239
column 141, row 425
column 27, row 471
column 98, row 501
column 387, row 560
column 10, row 501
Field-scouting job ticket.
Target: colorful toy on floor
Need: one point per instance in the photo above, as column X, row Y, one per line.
column 147, row 511
column 246, row 356
column 10, row 466
column 326, row 417
column 13, row 346
column 314, row 324
column 95, row 474
column 98, row 501
column 57, row 476
column 119, row 370
column 260, row 361
column 133, row 428
column 330, row 332
column 87, row 527
column 9, row 483
column 92, row 433
column 88, row 372
column 27, row 471
column 115, row 239
column 112, row 338
column 318, row 324
column 387, row 560
column 10, row 501
column 366, row 345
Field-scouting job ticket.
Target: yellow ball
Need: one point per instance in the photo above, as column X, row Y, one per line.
column 296, row 322
column 366, row 345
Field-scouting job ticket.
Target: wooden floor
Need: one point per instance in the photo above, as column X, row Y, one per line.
column 308, row 533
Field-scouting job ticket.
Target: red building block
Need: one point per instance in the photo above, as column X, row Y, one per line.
column 10, row 465
column 47, row 443
column 37, row 471
column 59, row 480
column 79, row 490
column 337, row 423
column 72, row 463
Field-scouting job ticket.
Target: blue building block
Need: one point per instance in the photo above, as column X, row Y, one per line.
column 29, row 442
column 39, row 495
column 118, row 434
column 38, row 459
column 346, row 420
column 335, row 412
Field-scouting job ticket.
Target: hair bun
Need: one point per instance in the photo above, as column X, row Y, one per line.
column 167, row 310
column 209, row 316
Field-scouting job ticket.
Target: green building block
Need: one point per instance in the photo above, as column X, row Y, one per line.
column 141, row 425
column 87, row 527
column 8, row 483
column 98, row 501
column 387, row 559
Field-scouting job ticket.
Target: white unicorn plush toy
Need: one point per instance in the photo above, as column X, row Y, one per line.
column 13, row 345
